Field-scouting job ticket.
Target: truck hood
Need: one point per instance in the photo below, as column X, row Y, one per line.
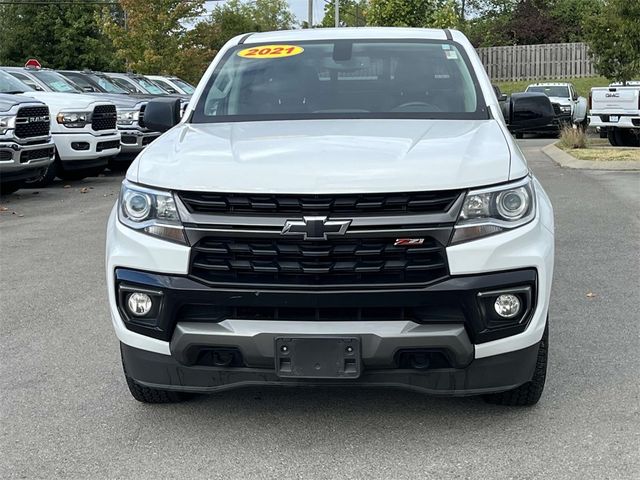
column 64, row 101
column 7, row 101
column 327, row 156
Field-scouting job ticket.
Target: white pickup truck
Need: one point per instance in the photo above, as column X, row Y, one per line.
column 616, row 110
column 337, row 206
column 83, row 129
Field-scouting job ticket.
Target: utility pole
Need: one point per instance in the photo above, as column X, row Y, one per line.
column 337, row 13
column 310, row 14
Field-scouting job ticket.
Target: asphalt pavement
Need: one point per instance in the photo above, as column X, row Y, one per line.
column 66, row 413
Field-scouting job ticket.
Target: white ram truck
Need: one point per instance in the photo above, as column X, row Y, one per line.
column 616, row 111
column 26, row 147
column 83, row 129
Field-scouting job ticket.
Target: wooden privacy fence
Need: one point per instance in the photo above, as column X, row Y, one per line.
column 526, row 62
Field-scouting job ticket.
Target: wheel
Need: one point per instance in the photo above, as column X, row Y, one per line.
column 613, row 138
column 603, row 132
column 151, row 395
column 529, row 393
column 10, row 187
column 626, row 137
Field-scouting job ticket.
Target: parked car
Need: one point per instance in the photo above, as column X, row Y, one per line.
column 615, row 110
column 130, row 108
column 137, row 84
column 83, row 129
column 570, row 109
column 26, row 146
column 173, row 84
column 338, row 206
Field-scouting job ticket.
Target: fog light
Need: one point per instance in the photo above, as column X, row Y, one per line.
column 507, row 305
column 139, row 304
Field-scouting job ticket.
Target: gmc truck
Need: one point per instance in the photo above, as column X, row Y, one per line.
column 615, row 110
column 83, row 129
column 26, row 147
column 336, row 207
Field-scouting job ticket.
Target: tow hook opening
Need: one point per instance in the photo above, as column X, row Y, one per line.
column 422, row 359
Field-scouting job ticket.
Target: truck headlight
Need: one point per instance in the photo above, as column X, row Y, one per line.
column 7, row 123
column 127, row 116
column 74, row 119
column 150, row 211
column 494, row 210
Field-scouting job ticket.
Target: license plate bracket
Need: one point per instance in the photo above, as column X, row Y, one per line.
column 318, row 357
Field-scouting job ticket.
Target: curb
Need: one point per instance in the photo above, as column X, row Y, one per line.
column 565, row 160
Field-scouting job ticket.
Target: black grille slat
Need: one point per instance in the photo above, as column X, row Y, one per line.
column 342, row 204
column 32, row 122
column 104, row 117
column 345, row 261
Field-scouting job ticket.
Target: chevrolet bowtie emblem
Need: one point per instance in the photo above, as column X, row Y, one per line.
column 315, row 228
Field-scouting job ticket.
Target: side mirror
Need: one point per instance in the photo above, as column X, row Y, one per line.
column 528, row 111
column 502, row 97
column 162, row 114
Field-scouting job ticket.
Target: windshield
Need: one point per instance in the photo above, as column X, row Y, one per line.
column 550, row 91
column 10, row 84
column 56, row 82
column 106, row 84
column 127, row 85
column 149, row 86
column 342, row 79
column 186, row 87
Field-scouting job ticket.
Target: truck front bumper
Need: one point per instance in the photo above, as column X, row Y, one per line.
column 24, row 162
column 484, row 375
column 134, row 141
column 83, row 150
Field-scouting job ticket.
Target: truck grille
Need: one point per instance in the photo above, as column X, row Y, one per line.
column 40, row 153
column 339, row 262
column 141, row 116
column 358, row 204
column 32, row 122
column 104, row 117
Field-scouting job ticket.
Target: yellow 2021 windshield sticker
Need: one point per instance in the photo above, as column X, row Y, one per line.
column 271, row 51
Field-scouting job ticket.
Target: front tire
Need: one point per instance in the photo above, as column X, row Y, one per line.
column 145, row 394
column 529, row 393
column 152, row 395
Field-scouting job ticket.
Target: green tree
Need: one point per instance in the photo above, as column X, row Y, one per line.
column 160, row 37
column 60, row 35
column 235, row 17
column 352, row 13
column 413, row 13
column 614, row 40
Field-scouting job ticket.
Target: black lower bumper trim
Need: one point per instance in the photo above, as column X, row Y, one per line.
column 75, row 165
column 484, row 375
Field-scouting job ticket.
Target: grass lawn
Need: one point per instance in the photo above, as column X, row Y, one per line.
column 583, row 85
column 603, row 154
